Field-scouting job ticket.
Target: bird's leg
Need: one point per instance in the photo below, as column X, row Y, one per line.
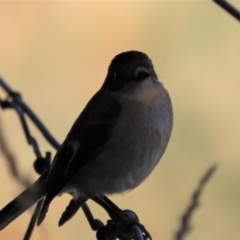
column 95, row 224
column 111, row 204
column 113, row 210
column 71, row 210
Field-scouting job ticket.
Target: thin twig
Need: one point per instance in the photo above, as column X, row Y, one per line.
column 185, row 223
column 229, row 8
column 38, row 123
column 11, row 159
column 33, row 220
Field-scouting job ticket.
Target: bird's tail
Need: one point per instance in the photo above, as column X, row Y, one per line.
column 24, row 201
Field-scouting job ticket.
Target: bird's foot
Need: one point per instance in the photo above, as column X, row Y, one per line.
column 125, row 226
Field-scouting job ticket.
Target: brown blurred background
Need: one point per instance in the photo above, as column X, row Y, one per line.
column 57, row 53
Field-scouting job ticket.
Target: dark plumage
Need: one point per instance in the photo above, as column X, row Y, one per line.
column 114, row 144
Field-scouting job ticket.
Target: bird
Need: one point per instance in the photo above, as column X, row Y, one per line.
column 114, row 144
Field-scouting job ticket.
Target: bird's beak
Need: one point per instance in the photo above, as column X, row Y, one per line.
column 141, row 74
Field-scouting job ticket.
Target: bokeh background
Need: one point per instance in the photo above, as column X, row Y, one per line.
column 57, row 53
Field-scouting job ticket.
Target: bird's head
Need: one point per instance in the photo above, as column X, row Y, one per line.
column 131, row 73
column 128, row 69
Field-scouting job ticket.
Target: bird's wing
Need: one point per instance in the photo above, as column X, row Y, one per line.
column 88, row 135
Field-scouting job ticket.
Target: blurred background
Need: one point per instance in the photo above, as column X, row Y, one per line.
column 57, row 53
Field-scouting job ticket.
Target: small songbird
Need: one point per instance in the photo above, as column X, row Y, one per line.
column 114, row 144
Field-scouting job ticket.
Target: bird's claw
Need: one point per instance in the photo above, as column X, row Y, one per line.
column 122, row 228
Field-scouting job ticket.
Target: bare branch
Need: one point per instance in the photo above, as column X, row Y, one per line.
column 194, row 203
column 11, row 159
column 229, row 8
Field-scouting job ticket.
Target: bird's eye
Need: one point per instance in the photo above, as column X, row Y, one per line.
column 118, row 77
column 141, row 74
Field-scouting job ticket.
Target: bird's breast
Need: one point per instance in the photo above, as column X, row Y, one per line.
column 136, row 145
column 140, row 141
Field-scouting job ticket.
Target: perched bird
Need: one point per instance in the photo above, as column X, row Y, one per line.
column 114, row 144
